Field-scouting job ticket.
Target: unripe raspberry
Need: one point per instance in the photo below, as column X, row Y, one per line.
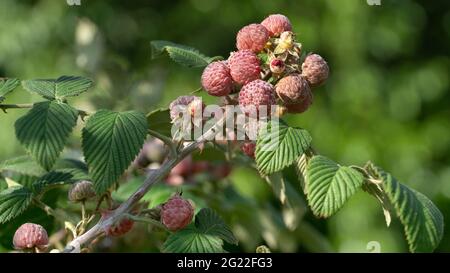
column 252, row 37
column 256, row 93
column 176, row 213
column 181, row 104
column 315, row 70
column 120, row 228
column 276, row 24
column 249, row 148
column 302, row 106
column 292, row 89
column 277, row 66
column 29, row 236
column 216, row 79
column 81, row 191
column 244, row 66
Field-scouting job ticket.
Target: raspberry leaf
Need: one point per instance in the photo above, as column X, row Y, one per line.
column 330, row 185
column 159, row 121
column 57, row 178
column 184, row 55
column 278, row 146
column 209, row 222
column 205, row 236
column 13, row 202
column 423, row 222
column 22, row 165
column 59, row 89
column 111, row 141
column 6, row 86
column 44, row 130
column 191, row 240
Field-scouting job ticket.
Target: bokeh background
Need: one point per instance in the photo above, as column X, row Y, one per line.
column 387, row 99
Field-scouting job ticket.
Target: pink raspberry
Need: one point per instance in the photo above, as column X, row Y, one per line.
column 120, row 228
column 180, row 105
column 292, row 89
column 216, row 79
column 315, row 70
column 253, row 37
column 249, row 148
column 244, row 66
column 302, row 106
column 256, row 93
column 29, row 236
column 276, row 24
column 176, row 213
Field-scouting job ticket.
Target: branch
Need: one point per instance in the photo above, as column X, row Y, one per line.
column 153, row 178
column 4, row 107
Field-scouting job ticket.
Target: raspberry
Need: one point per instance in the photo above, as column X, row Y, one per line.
column 200, row 166
column 81, row 191
column 277, row 66
column 175, row 180
column 302, row 106
column 176, row 213
column 315, row 70
column 216, row 79
column 249, row 148
column 180, row 105
column 244, row 66
column 29, row 236
column 292, row 89
column 277, row 23
column 256, row 93
column 253, row 37
column 221, row 171
column 120, row 228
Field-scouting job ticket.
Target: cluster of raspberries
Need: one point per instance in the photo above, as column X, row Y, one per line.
column 267, row 69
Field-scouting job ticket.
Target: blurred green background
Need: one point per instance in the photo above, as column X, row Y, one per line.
column 387, row 99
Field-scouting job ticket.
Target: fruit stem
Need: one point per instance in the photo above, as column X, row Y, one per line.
column 145, row 220
column 15, row 106
column 168, row 141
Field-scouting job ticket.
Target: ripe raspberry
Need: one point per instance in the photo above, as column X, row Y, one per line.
column 315, row 70
column 249, row 148
column 256, row 93
column 120, row 228
column 81, row 191
column 302, row 106
column 277, row 66
column 277, row 23
column 216, row 79
column 180, row 105
column 292, row 89
column 253, row 37
column 176, row 213
column 244, row 66
column 29, row 236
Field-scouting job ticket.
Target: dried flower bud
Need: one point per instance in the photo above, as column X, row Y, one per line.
column 277, row 66
column 81, row 191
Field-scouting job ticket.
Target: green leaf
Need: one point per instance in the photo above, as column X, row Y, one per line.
column 330, row 185
column 300, row 168
column 279, row 145
column 13, row 202
column 6, row 86
column 184, row 55
column 423, row 222
column 58, row 178
column 22, row 165
column 206, row 236
column 111, row 141
column 159, row 121
column 63, row 87
column 44, row 130
column 191, row 240
column 209, row 222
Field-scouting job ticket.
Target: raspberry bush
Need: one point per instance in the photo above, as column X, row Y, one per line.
column 267, row 77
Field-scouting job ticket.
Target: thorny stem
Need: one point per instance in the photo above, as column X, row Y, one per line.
column 154, row 177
